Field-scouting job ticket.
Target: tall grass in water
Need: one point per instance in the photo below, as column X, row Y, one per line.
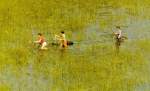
column 83, row 67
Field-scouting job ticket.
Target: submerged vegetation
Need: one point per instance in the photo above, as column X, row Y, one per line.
column 92, row 63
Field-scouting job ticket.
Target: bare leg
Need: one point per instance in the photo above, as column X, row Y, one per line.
column 43, row 47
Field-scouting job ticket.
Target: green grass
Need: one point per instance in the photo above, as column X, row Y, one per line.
column 83, row 67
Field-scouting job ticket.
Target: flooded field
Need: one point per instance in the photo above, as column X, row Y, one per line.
column 92, row 63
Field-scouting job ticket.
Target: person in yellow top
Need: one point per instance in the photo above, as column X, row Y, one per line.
column 62, row 39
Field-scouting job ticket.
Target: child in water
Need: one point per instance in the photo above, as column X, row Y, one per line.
column 41, row 41
column 62, row 39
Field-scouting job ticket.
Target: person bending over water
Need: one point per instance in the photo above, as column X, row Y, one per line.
column 41, row 41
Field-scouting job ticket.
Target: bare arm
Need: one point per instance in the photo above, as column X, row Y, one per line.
column 38, row 41
column 57, row 37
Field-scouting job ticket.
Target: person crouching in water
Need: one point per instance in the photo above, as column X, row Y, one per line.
column 41, row 41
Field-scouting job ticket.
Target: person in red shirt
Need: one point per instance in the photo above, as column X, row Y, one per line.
column 41, row 41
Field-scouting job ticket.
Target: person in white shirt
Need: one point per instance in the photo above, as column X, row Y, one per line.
column 118, row 33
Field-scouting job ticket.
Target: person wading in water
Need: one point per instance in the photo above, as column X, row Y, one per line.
column 41, row 41
column 62, row 39
column 118, row 37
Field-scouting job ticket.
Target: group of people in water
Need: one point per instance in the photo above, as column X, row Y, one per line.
column 62, row 41
column 61, row 38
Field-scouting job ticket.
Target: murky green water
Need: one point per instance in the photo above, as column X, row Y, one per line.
column 91, row 64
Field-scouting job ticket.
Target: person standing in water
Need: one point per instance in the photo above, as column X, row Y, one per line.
column 118, row 38
column 118, row 33
column 62, row 39
column 41, row 41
